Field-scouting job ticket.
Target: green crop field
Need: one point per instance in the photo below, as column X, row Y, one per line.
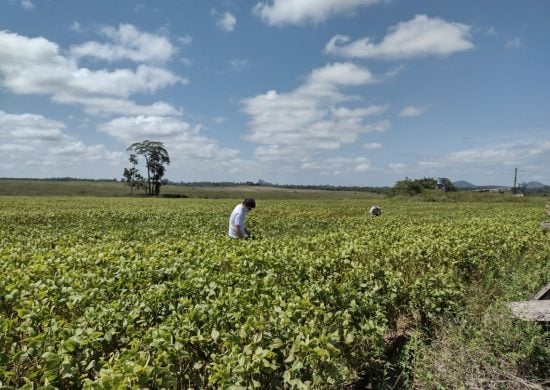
column 150, row 293
column 32, row 187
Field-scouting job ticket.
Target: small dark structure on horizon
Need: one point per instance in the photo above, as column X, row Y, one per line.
column 515, row 187
column 441, row 184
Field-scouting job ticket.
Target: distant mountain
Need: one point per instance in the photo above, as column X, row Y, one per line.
column 533, row 185
column 462, row 184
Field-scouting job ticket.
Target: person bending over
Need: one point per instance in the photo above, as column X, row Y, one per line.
column 237, row 220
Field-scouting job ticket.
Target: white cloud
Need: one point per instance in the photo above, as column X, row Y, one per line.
column 372, row 145
column 363, row 167
column 495, row 160
column 76, row 27
column 473, row 156
column 379, row 126
column 421, row 36
column 492, row 162
column 38, row 145
column 412, row 111
column 284, row 12
column 335, row 166
column 339, row 74
column 360, row 112
column 185, row 141
column 397, row 167
column 392, row 73
column 186, row 145
column 186, row 61
column 27, row 5
column 185, row 40
column 127, row 43
column 35, row 66
column 236, row 65
column 142, row 127
column 11, row 147
column 514, row 43
column 29, row 127
column 139, row 7
column 113, row 106
column 297, row 125
column 227, row 21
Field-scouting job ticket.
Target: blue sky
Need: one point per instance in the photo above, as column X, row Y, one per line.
column 341, row 92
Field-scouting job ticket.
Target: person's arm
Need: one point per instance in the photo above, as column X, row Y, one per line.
column 240, row 225
column 239, row 231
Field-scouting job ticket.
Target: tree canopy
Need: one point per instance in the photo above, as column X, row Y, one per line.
column 416, row 186
column 156, row 158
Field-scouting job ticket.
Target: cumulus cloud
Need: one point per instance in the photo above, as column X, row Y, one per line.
column 359, row 112
column 185, row 40
column 334, row 166
column 112, row 106
column 76, row 27
column 285, row 12
column 379, row 126
column 491, row 31
column 474, row 156
column 514, row 43
column 35, row 66
column 187, row 145
column 411, row 111
column 421, row 36
column 29, row 127
column 491, row 162
column 127, row 43
column 35, row 144
column 295, row 126
column 184, row 140
column 27, row 5
column 227, row 21
column 363, row 167
column 397, row 167
column 372, row 145
column 141, row 126
column 496, row 159
column 236, row 65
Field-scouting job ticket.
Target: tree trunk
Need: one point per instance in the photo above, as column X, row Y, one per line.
column 149, row 189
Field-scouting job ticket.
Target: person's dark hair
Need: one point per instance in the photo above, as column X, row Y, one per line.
column 249, row 202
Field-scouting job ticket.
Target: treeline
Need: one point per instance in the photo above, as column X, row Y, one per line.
column 413, row 187
column 403, row 187
column 285, row 186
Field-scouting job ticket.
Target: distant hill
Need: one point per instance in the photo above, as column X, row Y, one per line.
column 462, row 184
column 533, row 185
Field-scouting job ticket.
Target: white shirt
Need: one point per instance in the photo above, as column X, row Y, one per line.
column 238, row 218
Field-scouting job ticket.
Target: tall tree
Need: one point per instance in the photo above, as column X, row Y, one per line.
column 156, row 157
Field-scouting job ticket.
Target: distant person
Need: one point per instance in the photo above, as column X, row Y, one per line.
column 375, row 211
column 237, row 220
